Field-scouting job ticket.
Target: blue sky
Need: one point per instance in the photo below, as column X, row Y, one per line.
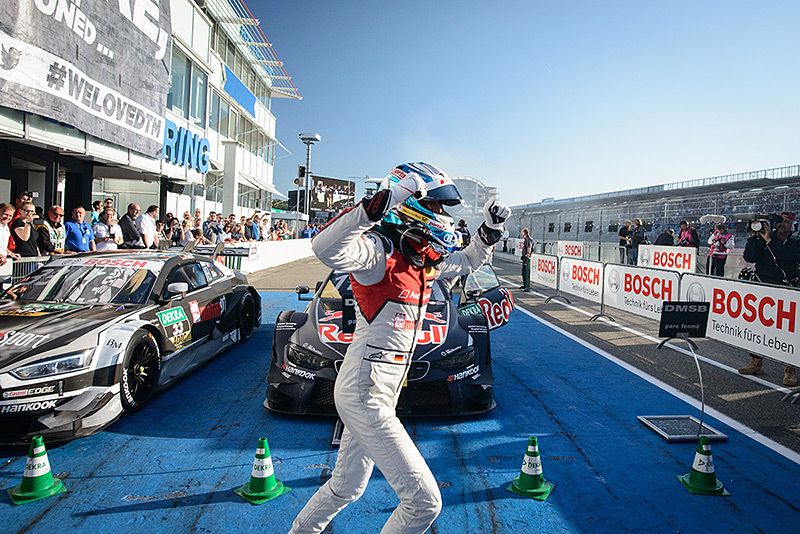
column 539, row 98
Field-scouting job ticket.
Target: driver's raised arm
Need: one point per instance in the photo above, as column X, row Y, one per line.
column 478, row 251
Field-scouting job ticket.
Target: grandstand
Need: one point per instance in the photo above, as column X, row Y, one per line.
column 595, row 218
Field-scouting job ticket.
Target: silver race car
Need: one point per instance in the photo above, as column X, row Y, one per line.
column 88, row 337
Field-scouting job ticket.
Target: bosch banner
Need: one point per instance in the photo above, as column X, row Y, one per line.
column 544, row 270
column 102, row 67
column 573, row 249
column 681, row 259
column 639, row 290
column 582, row 278
column 758, row 318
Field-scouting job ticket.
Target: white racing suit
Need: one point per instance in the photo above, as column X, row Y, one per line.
column 392, row 296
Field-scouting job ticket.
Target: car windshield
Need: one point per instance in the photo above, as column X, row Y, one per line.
column 482, row 279
column 85, row 284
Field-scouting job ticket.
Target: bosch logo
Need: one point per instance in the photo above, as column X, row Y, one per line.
column 644, row 256
column 613, row 280
column 590, row 275
column 565, row 271
column 767, row 310
column 573, row 250
column 672, row 260
column 646, row 286
column 695, row 293
column 546, row 266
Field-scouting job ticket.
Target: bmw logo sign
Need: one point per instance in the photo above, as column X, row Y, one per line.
column 645, row 257
column 695, row 292
column 613, row 280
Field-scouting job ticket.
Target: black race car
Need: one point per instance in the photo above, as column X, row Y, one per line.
column 88, row 337
column 450, row 373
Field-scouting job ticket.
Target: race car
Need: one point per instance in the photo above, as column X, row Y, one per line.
column 450, row 371
column 89, row 337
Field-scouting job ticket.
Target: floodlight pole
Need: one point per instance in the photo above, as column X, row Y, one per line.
column 308, row 139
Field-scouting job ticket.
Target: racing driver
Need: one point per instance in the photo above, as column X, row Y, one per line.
column 393, row 244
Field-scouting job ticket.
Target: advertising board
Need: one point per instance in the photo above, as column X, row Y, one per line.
column 544, row 270
column 582, row 278
column 102, row 67
column 573, row 249
column 759, row 318
column 681, row 259
column 639, row 290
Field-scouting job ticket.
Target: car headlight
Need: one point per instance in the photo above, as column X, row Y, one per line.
column 306, row 359
column 457, row 361
column 55, row 366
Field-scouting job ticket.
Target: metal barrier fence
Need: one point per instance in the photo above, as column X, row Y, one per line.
column 24, row 266
column 760, row 318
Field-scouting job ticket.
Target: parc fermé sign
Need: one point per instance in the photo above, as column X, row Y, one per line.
column 572, row 249
column 582, row 278
column 544, row 270
column 639, row 290
column 681, row 259
column 758, row 318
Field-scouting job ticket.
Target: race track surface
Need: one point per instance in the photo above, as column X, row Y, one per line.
column 173, row 466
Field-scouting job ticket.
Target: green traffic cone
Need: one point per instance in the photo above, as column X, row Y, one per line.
column 530, row 482
column 262, row 486
column 702, row 480
column 37, row 480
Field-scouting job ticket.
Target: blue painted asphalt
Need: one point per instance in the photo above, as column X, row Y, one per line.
column 173, row 466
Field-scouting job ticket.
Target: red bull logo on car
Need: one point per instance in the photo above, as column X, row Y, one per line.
column 435, row 333
column 497, row 313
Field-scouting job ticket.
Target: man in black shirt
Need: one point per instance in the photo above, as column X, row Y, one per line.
column 624, row 240
column 131, row 238
column 776, row 255
column 24, row 233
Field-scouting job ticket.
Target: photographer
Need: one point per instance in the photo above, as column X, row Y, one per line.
column 721, row 243
column 688, row 236
column 776, row 255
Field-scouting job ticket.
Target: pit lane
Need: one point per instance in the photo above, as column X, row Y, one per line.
column 173, row 466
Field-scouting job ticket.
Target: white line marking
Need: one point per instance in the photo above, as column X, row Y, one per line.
column 736, row 425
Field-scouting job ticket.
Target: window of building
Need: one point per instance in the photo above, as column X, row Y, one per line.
column 224, row 112
column 178, row 95
column 567, row 227
column 214, row 187
column 588, row 227
column 233, row 119
column 230, row 57
column 213, row 115
column 199, row 93
column 551, row 227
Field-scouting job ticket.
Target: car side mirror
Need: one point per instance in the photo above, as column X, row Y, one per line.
column 177, row 288
column 303, row 290
column 472, row 293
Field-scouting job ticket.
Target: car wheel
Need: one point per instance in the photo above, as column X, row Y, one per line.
column 247, row 317
column 141, row 369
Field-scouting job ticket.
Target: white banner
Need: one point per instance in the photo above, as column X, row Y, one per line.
column 758, row 318
column 639, row 290
column 573, row 249
column 681, row 259
column 582, row 278
column 544, row 270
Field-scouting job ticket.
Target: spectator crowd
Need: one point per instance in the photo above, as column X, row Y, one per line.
column 29, row 231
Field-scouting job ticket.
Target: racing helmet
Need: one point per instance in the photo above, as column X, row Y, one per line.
column 425, row 217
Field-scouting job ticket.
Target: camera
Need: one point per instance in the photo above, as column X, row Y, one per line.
column 758, row 224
